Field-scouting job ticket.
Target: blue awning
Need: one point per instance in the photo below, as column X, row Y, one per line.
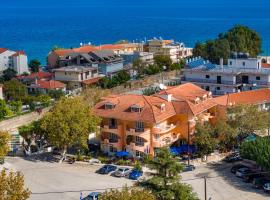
column 121, row 153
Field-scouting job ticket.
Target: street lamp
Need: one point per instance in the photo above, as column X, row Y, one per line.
column 162, row 76
column 189, row 122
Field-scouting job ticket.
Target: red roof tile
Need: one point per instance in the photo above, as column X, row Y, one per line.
column 247, row 97
column 49, row 84
column 2, row 50
column 38, row 75
column 91, row 81
column 265, row 65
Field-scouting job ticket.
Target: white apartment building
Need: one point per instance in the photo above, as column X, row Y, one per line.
column 240, row 74
column 174, row 50
column 16, row 60
column 77, row 76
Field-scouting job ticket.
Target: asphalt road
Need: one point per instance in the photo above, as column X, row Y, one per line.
column 63, row 181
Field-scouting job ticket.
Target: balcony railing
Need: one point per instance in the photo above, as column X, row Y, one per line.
column 139, row 130
column 139, row 144
column 197, row 80
column 113, row 140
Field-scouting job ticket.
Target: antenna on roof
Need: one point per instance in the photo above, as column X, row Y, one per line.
column 89, row 43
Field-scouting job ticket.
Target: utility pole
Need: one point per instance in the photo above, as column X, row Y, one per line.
column 188, row 142
column 205, row 189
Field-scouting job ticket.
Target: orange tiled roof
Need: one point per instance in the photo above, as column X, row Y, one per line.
column 247, row 97
column 182, row 102
column 265, row 65
column 38, row 75
column 19, row 53
column 151, row 108
column 2, row 50
column 189, row 93
column 62, row 52
column 92, row 81
column 50, row 84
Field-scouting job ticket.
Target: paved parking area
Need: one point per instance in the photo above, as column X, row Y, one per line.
column 64, row 181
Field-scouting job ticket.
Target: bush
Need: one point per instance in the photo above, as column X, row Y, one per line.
column 138, row 166
column 103, row 159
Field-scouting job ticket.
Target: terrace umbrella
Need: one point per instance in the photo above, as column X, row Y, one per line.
column 121, row 154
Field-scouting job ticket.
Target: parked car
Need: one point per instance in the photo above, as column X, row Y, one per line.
column 258, row 183
column 236, row 167
column 106, row 169
column 266, row 187
column 243, row 171
column 122, row 172
column 233, row 158
column 188, row 168
column 135, row 174
column 248, row 178
column 92, row 196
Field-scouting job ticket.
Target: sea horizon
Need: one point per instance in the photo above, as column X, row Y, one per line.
column 38, row 26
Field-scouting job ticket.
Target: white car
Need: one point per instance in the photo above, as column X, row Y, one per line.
column 266, row 187
column 122, row 172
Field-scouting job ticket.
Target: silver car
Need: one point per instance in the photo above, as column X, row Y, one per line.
column 122, row 172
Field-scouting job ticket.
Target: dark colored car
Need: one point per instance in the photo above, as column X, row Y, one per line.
column 258, row 183
column 248, row 178
column 92, row 196
column 106, row 169
column 188, row 168
column 135, row 174
column 237, row 167
column 2, row 161
column 233, row 158
column 240, row 173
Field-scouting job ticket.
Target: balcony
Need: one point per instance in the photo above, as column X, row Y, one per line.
column 145, row 133
column 208, row 81
column 163, row 129
column 165, row 140
column 111, row 129
column 138, row 146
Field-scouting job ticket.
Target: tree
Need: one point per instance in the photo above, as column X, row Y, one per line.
column 127, row 194
column 9, row 74
column 34, row 65
column 14, row 90
column 226, row 136
column 139, row 66
column 204, row 139
column 93, row 95
column 12, row 186
column 4, row 110
column 238, row 39
column 56, row 94
column 165, row 183
column 161, row 60
column 16, row 106
column 150, row 91
column 4, row 147
column 45, row 100
column 258, row 150
column 246, row 119
column 66, row 127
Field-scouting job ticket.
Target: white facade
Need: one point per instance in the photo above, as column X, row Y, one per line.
column 239, row 75
column 14, row 60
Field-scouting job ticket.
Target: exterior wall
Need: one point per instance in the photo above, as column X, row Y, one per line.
column 107, row 68
column 20, row 64
column 52, row 60
column 66, row 76
column 5, row 61
column 1, row 92
column 250, row 63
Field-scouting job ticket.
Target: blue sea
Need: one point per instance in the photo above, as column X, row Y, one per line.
column 37, row 25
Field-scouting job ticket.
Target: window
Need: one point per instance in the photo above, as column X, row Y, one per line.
column 207, row 76
column 162, row 107
column 207, row 88
column 230, row 62
column 139, row 126
column 87, row 73
column 258, row 78
column 157, row 136
column 113, row 149
column 139, row 154
column 113, row 138
column 112, row 123
column 217, row 88
column 109, row 106
column 244, row 64
column 135, row 109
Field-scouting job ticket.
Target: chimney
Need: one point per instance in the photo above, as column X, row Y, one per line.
column 221, row 63
column 169, row 97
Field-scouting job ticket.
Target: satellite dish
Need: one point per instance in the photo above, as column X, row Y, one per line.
column 81, row 44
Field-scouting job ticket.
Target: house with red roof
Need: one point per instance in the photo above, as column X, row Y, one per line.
column 28, row 79
column 141, row 124
column 44, row 86
column 16, row 60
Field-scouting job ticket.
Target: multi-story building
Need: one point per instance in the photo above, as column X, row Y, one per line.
column 174, row 50
column 106, row 61
column 240, row 74
column 141, row 124
column 16, row 60
column 145, row 57
column 77, row 76
column 55, row 56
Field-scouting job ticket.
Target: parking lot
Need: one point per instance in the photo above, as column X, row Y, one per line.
column 64, row 181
